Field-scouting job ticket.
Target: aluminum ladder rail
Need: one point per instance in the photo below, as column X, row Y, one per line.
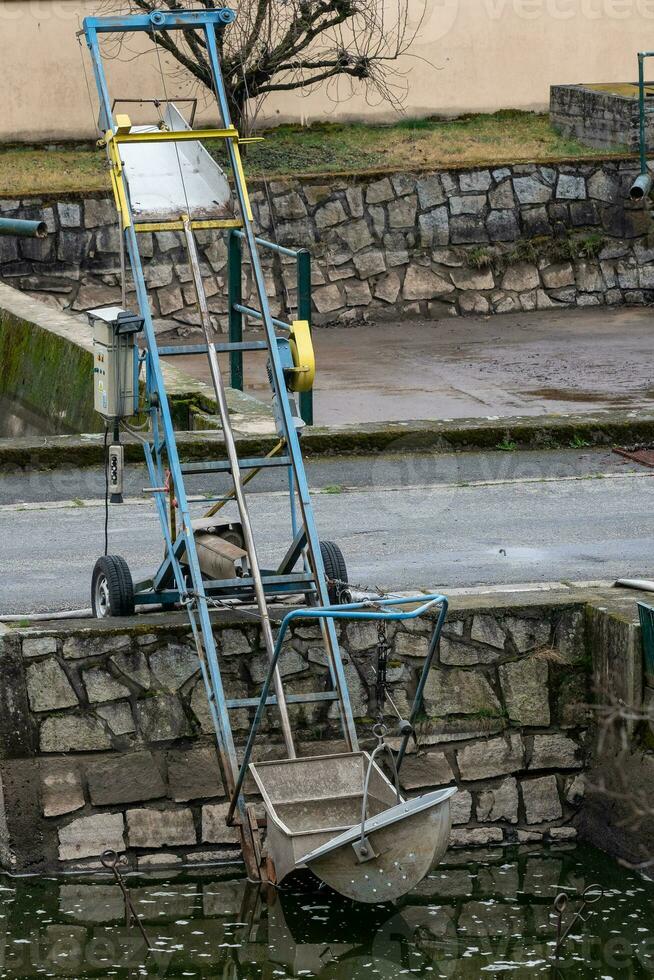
column 306, row 542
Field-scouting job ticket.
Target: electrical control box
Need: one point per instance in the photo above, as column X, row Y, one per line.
column 115, row 361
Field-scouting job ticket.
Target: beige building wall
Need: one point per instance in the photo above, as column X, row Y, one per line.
column 469, row 55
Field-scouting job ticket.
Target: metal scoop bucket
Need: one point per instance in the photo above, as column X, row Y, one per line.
column 339, row 815
column 314, row 808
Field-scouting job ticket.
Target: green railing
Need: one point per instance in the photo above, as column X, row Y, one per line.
column 237, row 310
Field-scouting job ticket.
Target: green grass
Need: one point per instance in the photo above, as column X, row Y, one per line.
column 509, row 136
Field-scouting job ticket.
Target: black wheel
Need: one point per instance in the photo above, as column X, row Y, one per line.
column 112, row 589
column 336, row 572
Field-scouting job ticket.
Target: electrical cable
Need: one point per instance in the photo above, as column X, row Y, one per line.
column 106, row 489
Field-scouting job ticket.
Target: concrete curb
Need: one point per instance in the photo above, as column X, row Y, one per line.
column 542, row 432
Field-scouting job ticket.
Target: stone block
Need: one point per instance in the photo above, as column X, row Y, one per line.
column 476, row 837
column 194, row 774
column 99, row 211
column 70, row 215
column 575, row 789
column 603, row 186
column 289, row 206
column 434, row 227
column 425, row 770
column 502, row 226
column 77, row 647
column 520, row 277
column 102, row 686
column 135, row 667
column 369, row 263
column 471, row 302
column 589, row 277
column 536, row 223
column 173, row 665
column 48, row 688
column 327, row 299
column 396, row 247
column 541, row 799
column 233, row 643
column 290, row 664
column 361, row 636
column 492, row 757
column 555, row 751
column 73, row 246
column 468, row 230
column 147, row 827
column 461, row 807
column 558, row 275
column 487, row 630
column 422, row 283
column 455, row 653
column 571, row 188
column 430, row 191
column 39, row 646
column 526, row 691
column 387, row 288
column 61, row 787
column 473, row 278
column 130, row 777
column 380, row 191
column 161, row 719
column 402, row 213
column 90, row 836
column 472, row 204
column 214, row 828
column 499, row 802
column 528, row 634
column 73, row 733
column 357, row 293
column 459, row 692
column 330, row 214
column 475, row 180
column 502, row 198
column 118, row 716
column 354, row 197
column 170, row 300
column 531, row 190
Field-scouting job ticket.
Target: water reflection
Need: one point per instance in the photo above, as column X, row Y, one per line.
column 480, row 914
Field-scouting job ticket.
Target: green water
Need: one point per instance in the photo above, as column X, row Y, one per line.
column 482, row 914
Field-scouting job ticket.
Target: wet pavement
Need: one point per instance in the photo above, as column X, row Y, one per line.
column 519, row 364
column 403, row 521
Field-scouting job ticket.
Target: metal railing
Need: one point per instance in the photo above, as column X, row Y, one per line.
column 237, row 310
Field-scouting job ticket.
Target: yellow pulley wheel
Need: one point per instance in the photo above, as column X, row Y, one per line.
column 303, row 373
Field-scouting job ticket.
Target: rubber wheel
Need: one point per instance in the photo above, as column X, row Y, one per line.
column 336, row 569
column 112, row 589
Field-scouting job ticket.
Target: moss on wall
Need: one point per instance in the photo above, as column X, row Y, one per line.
column 47, row 375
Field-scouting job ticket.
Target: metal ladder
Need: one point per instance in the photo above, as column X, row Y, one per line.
column 197, row 594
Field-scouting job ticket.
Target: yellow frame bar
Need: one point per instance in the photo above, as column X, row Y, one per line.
column 195, row 225
column 170, row 136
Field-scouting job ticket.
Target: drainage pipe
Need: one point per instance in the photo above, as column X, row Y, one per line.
column 23, row 229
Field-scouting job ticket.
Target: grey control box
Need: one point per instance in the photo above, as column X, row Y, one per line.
column 115, row 361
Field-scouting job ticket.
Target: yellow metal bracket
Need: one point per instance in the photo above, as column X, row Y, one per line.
column 303, row 373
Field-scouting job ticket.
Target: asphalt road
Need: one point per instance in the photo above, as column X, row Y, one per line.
column 402, row 522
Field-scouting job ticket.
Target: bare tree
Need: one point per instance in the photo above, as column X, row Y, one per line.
column 290, row 45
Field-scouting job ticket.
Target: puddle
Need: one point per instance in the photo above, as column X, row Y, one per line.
column 480, row 914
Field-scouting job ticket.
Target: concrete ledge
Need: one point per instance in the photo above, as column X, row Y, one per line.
column 47, row 364
column 254, row 436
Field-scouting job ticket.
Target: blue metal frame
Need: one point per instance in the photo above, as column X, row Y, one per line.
column 163, row 436
column 351, row 611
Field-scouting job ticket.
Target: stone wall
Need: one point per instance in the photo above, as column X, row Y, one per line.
column 606, row 120
column 490, row 240
column 106, row 739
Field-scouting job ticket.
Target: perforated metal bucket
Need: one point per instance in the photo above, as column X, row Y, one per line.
column 314, row 818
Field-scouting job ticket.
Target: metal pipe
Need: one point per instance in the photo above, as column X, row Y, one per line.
column 351, row 611
column 232, row 456
column 23, row 229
